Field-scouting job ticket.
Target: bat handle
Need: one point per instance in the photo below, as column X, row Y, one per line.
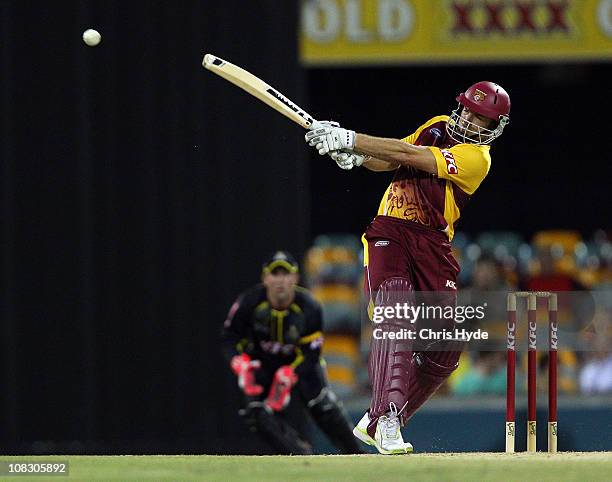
column 315, row 125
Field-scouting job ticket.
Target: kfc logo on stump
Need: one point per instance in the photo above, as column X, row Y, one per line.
column 451, row 165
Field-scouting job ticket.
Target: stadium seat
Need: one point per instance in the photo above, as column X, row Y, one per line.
column 500, row 243
column 341, row 353
column 565, row 238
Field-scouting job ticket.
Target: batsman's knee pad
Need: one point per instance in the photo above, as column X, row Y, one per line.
column 394, row 290
column 437, row 365
column 441, row 356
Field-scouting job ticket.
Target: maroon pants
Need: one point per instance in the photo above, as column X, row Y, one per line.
column 403, row 260
column 398, row 248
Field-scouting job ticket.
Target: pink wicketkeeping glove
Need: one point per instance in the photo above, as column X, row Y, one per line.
column 280, row 391
column 244, row 368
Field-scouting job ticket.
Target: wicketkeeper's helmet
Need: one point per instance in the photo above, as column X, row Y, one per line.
column 280, row 259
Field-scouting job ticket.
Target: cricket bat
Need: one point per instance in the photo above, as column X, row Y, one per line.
column 258, row 88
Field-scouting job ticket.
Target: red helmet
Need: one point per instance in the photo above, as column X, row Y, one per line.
column 487, row 99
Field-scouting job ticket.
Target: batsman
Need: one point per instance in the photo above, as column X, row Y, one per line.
column 407, row 247
column 272, row 339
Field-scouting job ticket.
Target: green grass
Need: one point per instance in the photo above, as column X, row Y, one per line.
column 579, row 466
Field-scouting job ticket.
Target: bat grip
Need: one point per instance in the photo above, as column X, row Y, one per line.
column 315, row 125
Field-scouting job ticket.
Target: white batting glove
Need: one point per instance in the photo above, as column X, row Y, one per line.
column 347, row 160
column 323, row 124
column 327, row 139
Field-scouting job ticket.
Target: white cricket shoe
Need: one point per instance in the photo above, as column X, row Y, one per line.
column 388, row 437
column 361, row 430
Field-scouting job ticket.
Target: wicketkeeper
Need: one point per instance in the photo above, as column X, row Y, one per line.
column 272, row 339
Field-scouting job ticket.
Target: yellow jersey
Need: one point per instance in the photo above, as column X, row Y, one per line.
column 436, row 200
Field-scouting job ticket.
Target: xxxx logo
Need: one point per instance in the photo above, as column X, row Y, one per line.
column 510, row 17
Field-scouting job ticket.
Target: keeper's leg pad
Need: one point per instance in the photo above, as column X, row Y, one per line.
column 390, row 365
column 332, row 419
column 274, row 430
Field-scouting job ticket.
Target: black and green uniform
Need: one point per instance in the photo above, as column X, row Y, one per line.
column 294, row 337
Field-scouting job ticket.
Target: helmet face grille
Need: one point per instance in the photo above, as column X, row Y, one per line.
column 466, row 132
